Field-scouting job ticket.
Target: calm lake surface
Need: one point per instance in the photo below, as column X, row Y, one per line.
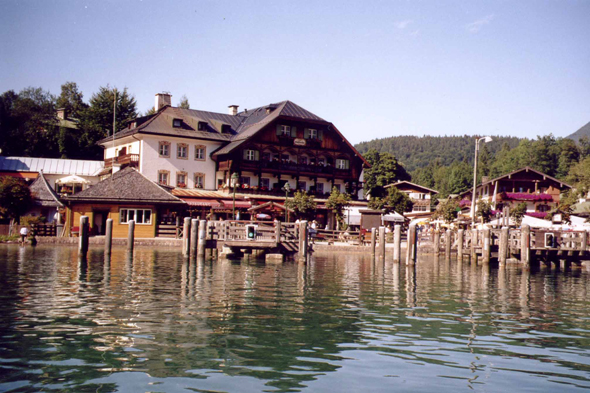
column 157, row 323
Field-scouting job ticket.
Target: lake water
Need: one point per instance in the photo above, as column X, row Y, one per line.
column 342, row 323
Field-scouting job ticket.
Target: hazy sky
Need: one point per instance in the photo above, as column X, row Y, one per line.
column 373, row 68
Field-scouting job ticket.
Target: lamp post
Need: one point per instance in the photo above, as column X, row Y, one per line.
column 287, row 188
column 234, row 183
column 486, row 139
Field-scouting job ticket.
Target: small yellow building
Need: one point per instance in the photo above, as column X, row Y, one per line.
column 127, row 195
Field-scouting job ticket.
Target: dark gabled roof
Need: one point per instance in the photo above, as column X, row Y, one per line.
column 411, row 184
column 43, row 194
column 127, row 185
column 509, row 175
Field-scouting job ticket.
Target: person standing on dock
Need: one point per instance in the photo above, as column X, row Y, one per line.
column 24, row 231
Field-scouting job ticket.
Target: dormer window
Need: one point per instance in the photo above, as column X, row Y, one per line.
column 177, row 123
column 226, row 128
column 202, row 126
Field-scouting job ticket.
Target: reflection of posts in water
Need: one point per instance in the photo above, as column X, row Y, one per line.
column 525, row 292
column 411, row 285
column 192, row 275
column 82, row 267
column 128, row 266
column 108, row 239
column 107, row 270
column 396, row 277
column 503, row 293
column 397, row 243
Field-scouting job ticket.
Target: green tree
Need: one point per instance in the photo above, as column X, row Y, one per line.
column 15, row 197
column 584, row 143
column 518, row 212
column 484, row 210
column 447, row 210
column 149, row 112
column 184, row 103
column 301, row 204
column 579, row 175
column 70, row 99
column 337, row 202
column 96, row 122
column 385, row 169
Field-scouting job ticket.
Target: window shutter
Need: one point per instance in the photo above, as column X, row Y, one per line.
column 321, row 135
column 346, row 164
column 293, row 132
column 278, row 129
column 306, row 133
column 245, row 154
column 256, row 155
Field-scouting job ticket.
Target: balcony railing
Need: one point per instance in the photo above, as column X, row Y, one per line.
column 123, row 160
column 294, row 167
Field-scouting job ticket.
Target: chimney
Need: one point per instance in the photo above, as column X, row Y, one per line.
column 233, row 109
column 61, row 113
column 162, row 100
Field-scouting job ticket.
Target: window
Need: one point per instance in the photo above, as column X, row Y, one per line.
column 342, row 163
column 181, row 179
column 141, row 216
column 543, row 208
column 266, row 156
column 303, row 185
column 200, row 152
column 265, row 182
column 164, row 149
column 163, row 177
column 245, row 180
column 176, row 123
column 199, row 180
column 285, row 158
column 313, row 133
column 285, row 130
column 182, row 151
column 202, row 126
column 303, row 160
column 320, row 188
column 251, row 155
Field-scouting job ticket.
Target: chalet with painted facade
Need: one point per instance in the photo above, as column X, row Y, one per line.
column 539, row 191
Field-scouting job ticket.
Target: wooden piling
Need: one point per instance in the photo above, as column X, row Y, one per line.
column 278, row 231
column 186, row 232
column 473, row 255
column 303, row 236
column 108, row 239
column 397, row 243
column 486, row 247
column 411, row 251
column 525, row 246
column 448, row 244
column 436, row 241
column 503, row 248
column 382, row 242
column 83, row 243
column 202, row 242
column 373, row 241
column 460, row 239
column 194, row 236
column 131, row 235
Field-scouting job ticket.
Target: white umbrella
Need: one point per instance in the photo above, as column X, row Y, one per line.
column 72, row 179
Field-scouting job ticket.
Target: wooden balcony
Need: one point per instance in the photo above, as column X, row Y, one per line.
column 293, row 168
column 124, row 160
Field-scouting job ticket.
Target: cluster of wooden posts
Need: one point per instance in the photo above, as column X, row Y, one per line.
column 525, row 245
column 378, row 235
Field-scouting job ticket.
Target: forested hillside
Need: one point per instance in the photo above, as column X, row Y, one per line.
column 417, row 152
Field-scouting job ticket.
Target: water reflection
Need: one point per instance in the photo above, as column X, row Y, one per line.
column 340, row 322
